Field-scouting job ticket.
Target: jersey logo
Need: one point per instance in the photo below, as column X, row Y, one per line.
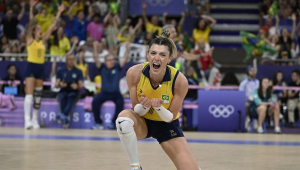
column 165, row 98
column 74, row 75
column 140, row 93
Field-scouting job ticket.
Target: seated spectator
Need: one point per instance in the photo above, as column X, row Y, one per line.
column 95, row 29
column 70, row 80
column 264, row 103
column 189, row 74
column 98, row 81
column 294, row 97
column 151, row 27
column 279, row 81
column 60, row 44
column 10, row 23
column 248, row 86
column 13, row 84
column 202, row 30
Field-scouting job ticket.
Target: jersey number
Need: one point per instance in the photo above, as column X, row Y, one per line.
column 39, row 53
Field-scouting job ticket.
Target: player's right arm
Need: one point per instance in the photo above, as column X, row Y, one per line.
column 133, row 77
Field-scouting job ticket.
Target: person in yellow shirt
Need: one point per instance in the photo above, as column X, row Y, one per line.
column 98, row 80
column 157, row 92
column 60, row 43
column 126, row 31
column 34, row 73
column 151, row 27
column 202, row 29
column 83, row 66
column 77, row 6
column 44, row 19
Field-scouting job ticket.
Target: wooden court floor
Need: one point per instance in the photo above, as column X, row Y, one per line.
column 59, row 149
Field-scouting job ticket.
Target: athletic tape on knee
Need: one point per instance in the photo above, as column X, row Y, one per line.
column 124, row 125
column 37, row 96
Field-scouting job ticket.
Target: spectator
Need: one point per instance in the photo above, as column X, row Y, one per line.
column 89, row 44
column 76, row 7
column 286, row 39
column 102, row 6
column 205, row 7
column 22, row 41
column 202, row 30
column 189, row 73
column 174, row 22
column 294, row 97
column 205, row 58
column 2, row 6
column 193, row 7
column 102, row 52
column 151, row 27
column 79, row 22
column 230, row 80
column 263, row 103
column 83, row 66
column 44, row 19
column 70, row 80
column 67, row 31
column 13, row 81
column 284, row 10
column 126, row 31
column 275, row 44
column 4, row 43
column 248, row 86
column 60, row 44
column 111, row 23
column 264, row 8
column 279, row 81
column 10, row 23
column 110, row 75
column 95, row 29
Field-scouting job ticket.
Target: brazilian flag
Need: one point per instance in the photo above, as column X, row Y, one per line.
column 273, row 8
column 114, row 7
column 186, row 42
column 253, row 44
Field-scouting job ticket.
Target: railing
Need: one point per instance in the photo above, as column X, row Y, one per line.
column 295, row 61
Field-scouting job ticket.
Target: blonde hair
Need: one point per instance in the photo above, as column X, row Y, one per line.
column 163, row 39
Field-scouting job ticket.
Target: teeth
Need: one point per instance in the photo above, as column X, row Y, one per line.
column 156, row 64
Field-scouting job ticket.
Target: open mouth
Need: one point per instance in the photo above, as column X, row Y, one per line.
column 156, row 66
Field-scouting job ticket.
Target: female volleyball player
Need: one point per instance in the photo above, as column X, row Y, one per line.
column 157, row 92
column 35, row 43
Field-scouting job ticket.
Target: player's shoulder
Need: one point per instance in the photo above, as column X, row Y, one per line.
column 181, row 82
column 134, row 73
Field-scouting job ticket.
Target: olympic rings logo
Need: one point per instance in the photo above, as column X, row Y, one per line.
column 159, row 2
column 221, row 110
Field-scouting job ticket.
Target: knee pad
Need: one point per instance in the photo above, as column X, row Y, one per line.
column 37, row 95
column 124, row 125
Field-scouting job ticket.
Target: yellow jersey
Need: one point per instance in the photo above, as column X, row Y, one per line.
column 36, row 52
column 165, row 92
column 150, row 28
column 83, row 68
column 62, row 48
column 201, row 35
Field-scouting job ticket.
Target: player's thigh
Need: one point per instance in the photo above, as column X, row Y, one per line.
column 38, row 83
column 140, row 126
column 179, row 152
column 29, row 87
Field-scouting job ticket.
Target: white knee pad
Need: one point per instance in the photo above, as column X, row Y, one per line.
column 124, row 125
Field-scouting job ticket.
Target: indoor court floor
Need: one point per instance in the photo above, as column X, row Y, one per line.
column 60, row 149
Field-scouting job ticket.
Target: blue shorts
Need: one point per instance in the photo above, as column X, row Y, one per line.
column 35, row 70
column 163, row 131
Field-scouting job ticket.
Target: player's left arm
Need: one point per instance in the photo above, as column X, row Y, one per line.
column 180, row 91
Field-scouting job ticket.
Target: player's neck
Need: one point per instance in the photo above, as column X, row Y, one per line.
column 157, row 79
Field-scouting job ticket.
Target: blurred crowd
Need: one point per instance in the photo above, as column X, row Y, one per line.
column 284, row 39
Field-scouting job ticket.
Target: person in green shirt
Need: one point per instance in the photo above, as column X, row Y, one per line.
column 263, row 102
